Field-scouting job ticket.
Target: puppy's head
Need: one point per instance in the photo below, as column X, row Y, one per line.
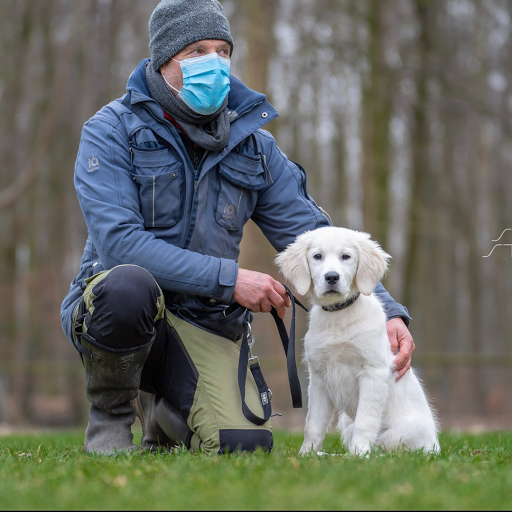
column 330, row 264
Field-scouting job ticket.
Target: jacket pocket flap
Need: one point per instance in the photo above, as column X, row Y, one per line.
column 158, row 157
column 243, row 170
column 160, row 179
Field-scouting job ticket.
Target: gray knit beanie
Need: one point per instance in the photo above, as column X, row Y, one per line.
column 175, row 24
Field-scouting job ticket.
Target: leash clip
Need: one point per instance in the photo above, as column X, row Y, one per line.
column 250, row 342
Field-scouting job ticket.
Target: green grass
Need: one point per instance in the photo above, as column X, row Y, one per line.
column 51, row 472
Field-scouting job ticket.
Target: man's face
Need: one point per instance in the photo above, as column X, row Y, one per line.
column 171, row 70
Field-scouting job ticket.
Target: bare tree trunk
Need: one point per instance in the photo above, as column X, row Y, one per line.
column 256, row 252
column 376, row 105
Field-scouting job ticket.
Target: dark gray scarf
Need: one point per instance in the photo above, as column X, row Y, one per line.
column 210, row 132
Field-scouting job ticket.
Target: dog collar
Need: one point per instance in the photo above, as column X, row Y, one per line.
column 338, row 306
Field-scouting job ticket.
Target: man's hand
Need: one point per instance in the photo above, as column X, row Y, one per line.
column 402, row 344
column 259, row 292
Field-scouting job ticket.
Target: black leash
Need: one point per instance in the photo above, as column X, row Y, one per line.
column 289, row 349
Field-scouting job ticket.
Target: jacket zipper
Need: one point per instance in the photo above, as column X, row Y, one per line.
column 153, row 205
column 197, row 172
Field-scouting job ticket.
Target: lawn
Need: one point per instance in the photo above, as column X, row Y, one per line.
column 50, row 471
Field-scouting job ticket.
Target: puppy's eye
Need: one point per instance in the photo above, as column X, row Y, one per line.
column 317, row 256
column 345, row 257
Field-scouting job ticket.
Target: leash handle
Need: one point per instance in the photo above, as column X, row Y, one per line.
column 257, row 374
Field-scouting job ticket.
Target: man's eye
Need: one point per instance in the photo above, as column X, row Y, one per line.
column 317, row 256
column 345, row 257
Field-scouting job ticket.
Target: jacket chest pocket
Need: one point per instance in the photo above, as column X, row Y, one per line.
column 159, row 180
column 241, row 178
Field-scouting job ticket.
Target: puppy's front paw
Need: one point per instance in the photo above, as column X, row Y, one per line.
column 306, row 449
column 360, row 450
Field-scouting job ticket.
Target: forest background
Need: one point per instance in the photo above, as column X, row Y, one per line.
column 399, row 110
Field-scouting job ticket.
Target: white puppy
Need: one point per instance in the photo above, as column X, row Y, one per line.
column 347, row 349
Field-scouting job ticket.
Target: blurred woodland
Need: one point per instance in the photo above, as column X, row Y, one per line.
column 400, row 112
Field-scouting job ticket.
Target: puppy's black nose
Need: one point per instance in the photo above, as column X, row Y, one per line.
column 332, row 277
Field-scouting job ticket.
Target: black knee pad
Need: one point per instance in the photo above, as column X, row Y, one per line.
column 233, row 440
column 125, row 306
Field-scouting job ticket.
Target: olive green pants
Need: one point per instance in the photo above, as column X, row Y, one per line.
column 195, row 370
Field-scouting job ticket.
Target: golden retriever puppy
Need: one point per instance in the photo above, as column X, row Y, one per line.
column 347, row 350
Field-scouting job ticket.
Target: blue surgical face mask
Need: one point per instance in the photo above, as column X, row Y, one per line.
column 205, row 82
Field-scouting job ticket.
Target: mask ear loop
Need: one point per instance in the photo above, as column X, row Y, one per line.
column 174, row 88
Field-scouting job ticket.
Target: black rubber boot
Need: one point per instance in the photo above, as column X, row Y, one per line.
column 162, row 424
column 111, row 382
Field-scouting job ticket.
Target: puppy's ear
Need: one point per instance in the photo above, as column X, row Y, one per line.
column 293, row 264
column 373, row 263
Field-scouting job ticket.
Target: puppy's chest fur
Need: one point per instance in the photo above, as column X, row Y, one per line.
column 341, row 346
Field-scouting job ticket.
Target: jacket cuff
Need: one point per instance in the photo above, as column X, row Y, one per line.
column 228, row 273
column 404, row 316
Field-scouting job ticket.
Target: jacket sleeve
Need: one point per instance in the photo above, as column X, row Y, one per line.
column 392, row 308
column 287, row 199
column 109, row 200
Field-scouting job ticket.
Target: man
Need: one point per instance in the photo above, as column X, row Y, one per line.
column 166, row 177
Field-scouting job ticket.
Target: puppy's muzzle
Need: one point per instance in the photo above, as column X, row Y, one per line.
column 331, row 282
